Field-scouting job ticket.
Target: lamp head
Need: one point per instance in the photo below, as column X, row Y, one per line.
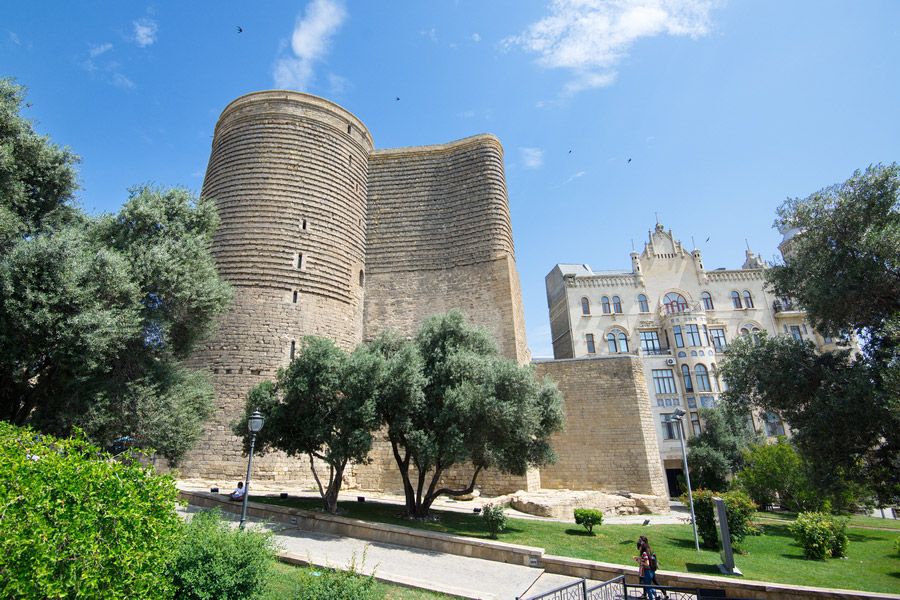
column 255, row 422
column 678, row 413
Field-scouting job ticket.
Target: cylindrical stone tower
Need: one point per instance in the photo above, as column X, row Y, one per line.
column 288, row 172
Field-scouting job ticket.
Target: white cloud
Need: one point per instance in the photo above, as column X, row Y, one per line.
column 591, row 37
column 120, row 81
column 338, row 84
column 532, row 157
column 145, row 31
column 309, row 43
column 476, row 37
column 574, row 177
column 98, row 49
column 431, row 34
column 14, row 39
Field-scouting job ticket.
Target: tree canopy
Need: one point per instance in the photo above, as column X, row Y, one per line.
column 843, row 268
column 96, row 312
column 319, row 406
column 474, row 410
column 718, row 451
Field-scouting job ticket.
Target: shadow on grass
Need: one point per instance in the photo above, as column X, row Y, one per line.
column 701, row 568
column 855, row 537
column 895, row 574
column 580, row 533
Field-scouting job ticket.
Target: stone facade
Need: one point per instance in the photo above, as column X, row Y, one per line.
column 322, row 234
column 678, row 318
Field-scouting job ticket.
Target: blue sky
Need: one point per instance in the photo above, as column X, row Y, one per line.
column 725, row 108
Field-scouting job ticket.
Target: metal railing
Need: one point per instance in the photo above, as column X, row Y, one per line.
column 617, row 589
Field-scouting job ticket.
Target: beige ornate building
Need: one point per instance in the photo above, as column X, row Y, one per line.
column 678, row 317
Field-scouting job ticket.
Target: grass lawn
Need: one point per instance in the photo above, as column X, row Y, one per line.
column 287, row 582
column 872, row 564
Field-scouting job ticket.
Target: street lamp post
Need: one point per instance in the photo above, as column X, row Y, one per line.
column 254, row 424
column 679, row 414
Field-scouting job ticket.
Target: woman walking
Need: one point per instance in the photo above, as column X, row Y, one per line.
column 646, row 572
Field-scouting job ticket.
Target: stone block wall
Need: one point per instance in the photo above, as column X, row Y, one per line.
column 610, row 439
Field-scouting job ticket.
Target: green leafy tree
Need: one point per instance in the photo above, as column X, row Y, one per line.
column 717, row 453
column 97, row 313
column 844, row 269
column 776, row 470
column 319, row 406
column 827, row 399
column 474, row 409
column 75, row 524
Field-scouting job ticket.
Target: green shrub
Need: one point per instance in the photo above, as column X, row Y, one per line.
column 214, row 561
column 316, row 583
column 739, row 510
column 75, row 523
column 588, row 517
column 820, row 535
column 495, row 518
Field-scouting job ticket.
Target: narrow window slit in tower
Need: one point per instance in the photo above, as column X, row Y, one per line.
column 293, row 345
column 303, row 224
column 295, row 296
column 299, row 260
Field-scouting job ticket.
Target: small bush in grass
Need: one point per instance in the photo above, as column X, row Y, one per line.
column 495, row 518
column 739, row 509
column 588, row 517
column 319, row 583
column 821, row 535
column 214, row 561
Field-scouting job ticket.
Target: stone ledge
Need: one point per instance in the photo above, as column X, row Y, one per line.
column 376, row 532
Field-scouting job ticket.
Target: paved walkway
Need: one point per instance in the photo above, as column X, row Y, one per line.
column 447, row 573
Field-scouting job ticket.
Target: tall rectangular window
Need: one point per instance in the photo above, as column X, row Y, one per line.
column 679, row 340
column 795, row 333
column 695, row 423
column 693, row 333
column 664, row 381
column 669, row 427
column 774, row 426
column 650, row 342
column 589, row 337
column 718, row 339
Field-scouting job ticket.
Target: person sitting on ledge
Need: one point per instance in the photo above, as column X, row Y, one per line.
column 238, row 494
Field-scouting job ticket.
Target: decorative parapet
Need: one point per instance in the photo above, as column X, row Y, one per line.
column 736, row 275
column 603, row 281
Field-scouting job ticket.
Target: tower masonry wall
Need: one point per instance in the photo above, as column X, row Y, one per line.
column 440, row 237
column 288, row 173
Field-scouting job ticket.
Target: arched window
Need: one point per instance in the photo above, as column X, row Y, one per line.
column 611, row 342
column 674, row 303
column 748, row 300
column 745, row 332
column 585, row 306
column 604, row 302
column 642, row 303
column 736, row 299
column 702, row 379
column 707, row 301
column 686, row 375
column 617, row 305
column 617, row 341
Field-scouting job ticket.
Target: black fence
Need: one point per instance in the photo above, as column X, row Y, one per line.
column 617, row 589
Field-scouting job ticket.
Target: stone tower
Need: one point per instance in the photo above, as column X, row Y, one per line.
column 289, row 174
